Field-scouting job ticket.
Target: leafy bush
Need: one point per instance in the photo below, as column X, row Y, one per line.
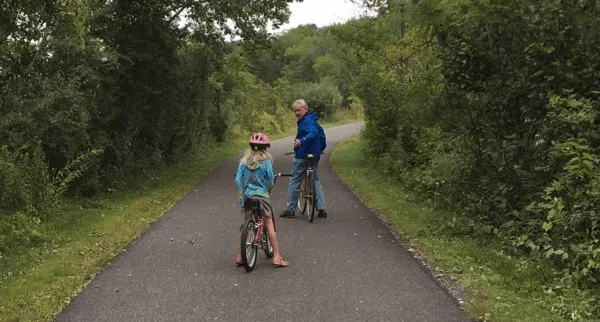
column 323, row 97
column 564, row 222
column 18, row 231
column 24, row 182
column 448, row 169
column 493, row 106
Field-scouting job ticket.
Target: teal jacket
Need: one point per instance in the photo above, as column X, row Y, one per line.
column 254, row 179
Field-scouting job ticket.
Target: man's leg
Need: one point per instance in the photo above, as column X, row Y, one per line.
column 319, row 191
column 298, row 168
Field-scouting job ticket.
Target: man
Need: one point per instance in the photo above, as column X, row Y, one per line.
column 310, row 139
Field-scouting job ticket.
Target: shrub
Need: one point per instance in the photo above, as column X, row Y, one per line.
column 24, row 182
column 323, row 97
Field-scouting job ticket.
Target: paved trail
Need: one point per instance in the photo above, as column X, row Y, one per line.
column 347, row 267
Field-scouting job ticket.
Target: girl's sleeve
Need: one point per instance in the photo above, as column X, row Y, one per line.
column 270, row 175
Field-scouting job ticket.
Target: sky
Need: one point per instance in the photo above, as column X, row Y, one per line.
column 321, row 13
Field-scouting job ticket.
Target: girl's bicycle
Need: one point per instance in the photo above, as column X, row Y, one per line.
column 255, row 234
column 307, row 201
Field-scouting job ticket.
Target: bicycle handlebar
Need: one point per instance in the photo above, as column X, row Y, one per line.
column 288, row 153
column 281, row 175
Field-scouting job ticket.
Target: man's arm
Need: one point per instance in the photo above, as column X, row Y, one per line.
column 313, row 133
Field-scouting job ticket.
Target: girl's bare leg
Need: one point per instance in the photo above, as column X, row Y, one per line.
column 277, row 259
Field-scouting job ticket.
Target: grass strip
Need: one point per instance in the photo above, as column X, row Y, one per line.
column 84, row 235
column 498, row 286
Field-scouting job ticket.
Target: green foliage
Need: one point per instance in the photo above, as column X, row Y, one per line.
column 306, row 46
column 24, row 182
column 73, row 171
column 322, row 97
column 355, row 111
column 491, row 107
column 532, row 142
column 93, row 92
column 119, row 76
column 564, row 223
column 18, row 231
column 498, row 284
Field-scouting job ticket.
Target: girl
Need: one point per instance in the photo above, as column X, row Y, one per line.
column 255, row 179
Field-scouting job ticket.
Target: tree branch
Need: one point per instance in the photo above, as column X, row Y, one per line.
column 184, row 6
column 173, row 17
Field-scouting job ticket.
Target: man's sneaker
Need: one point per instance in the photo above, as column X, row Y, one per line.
column 287, row 214
column 322, row 214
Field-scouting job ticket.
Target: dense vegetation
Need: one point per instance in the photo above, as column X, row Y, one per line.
column 92, row 92
column 491, row 107
column 486, row 107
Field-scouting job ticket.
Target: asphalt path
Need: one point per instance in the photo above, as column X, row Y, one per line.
column 347, row 267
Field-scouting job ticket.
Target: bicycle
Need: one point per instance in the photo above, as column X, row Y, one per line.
column 254, row 233
column 307, row 200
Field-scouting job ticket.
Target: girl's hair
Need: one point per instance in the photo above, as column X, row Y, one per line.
column 253, row 156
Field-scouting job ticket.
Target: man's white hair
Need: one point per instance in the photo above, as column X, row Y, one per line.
column 300, row 102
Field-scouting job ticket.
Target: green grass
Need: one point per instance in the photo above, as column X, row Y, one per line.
column 83, row 236
column 498, row 286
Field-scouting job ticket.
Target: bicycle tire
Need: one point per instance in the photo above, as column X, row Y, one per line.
column 267, row 247
column 302, row 197
column 248, row 247
column 311, row 198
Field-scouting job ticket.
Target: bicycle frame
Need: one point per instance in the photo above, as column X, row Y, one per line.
column 308, row 175
column 257, row 214
column 253, row 232
column 307, row 189
column 258, row 221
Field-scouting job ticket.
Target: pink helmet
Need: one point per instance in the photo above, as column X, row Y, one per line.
column 259, row 139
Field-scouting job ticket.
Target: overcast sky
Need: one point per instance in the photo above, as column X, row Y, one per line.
column 321, row 13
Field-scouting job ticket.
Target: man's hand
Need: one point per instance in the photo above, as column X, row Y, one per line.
column 297, row 143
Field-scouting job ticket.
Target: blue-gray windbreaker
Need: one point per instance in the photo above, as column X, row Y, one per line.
column 311, row 135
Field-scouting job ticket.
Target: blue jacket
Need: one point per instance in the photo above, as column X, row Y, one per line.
column 311, row 135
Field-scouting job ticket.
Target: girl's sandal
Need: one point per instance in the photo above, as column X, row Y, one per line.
column 281, row 263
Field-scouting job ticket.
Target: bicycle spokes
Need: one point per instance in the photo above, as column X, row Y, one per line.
column 248, row 246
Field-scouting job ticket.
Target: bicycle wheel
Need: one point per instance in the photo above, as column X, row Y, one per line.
column 266, row 244
column 311, row 198
column 302, row 197
column 249, row 249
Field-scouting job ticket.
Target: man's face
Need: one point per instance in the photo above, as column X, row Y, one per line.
column 300, row 110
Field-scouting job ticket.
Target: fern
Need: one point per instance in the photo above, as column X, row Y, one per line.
column 72, row 171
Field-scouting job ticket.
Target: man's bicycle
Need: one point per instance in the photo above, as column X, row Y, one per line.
column 255, row 234
column 307, row 201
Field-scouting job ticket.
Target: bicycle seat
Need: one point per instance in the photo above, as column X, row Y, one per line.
column 310, row 156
